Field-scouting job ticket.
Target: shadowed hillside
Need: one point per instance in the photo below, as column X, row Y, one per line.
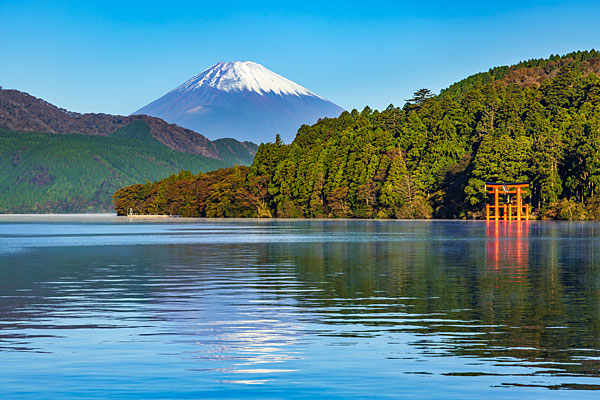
column 22, row 112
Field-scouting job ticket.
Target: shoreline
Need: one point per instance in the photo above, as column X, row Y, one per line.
column 113, row 217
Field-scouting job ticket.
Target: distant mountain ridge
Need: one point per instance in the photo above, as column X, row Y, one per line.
column 54, row 160
column 243, row 100
column 19, row 111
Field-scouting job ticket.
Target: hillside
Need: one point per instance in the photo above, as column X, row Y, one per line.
column 531, row 73
column 22, row 112
column 59, row 161
column 41, row 172
column 537, row 121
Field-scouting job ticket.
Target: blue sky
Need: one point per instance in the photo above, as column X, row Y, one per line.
column 117, row 56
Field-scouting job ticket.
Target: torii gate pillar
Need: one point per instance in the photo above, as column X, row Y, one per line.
column 507, row 188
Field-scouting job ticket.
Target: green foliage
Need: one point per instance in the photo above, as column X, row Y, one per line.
column 220, row 193
column 569, row 210
column 42, row 172
column 233, row 152
column 136, row 130
column 499, row 159
column 537, row 121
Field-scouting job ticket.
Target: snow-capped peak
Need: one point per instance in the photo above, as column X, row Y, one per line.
column 239, row 76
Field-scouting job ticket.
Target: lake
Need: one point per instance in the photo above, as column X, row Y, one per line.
column 100, row 307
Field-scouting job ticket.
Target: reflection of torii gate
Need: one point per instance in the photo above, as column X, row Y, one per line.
column 496, row 188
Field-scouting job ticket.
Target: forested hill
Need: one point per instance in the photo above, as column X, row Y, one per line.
column 22, row 112
column 54, row 160
column 42, row 172
column 531, row 73
column 537, row 121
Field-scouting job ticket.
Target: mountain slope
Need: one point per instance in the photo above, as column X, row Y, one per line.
column 60, row 161
column 41, row 172
column 243, row 100
column 431, row 157
column 531, row 73
column 22, row 112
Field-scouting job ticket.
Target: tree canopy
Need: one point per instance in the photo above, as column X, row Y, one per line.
column 537, row 121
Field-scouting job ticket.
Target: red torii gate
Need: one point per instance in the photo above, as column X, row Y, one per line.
column 496, row 188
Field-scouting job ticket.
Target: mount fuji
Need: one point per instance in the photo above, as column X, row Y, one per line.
column 242, row 100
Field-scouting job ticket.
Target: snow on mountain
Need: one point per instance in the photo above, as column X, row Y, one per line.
column 243, row 100
column 239, row 76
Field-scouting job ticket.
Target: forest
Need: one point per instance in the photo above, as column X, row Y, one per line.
column 45, row 172
column 537, row 121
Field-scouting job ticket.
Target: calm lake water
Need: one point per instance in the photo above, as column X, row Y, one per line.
column 99, row 307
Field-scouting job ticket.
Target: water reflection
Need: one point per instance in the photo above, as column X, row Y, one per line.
column 480, row 304
column 507, row 249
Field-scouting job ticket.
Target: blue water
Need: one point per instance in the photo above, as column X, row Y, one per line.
column 98, row 307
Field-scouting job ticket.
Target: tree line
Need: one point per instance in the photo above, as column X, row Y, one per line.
column 537, row 121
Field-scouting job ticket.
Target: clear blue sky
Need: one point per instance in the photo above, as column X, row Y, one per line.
column 116, row 56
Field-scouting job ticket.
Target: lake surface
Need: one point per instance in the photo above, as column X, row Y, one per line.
column 98, row 307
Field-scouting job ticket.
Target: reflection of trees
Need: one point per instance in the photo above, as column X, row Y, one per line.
column 524, row 294
column 529, row 292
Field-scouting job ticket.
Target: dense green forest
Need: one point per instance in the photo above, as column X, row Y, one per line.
column 43, row 172
column 537, row 121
